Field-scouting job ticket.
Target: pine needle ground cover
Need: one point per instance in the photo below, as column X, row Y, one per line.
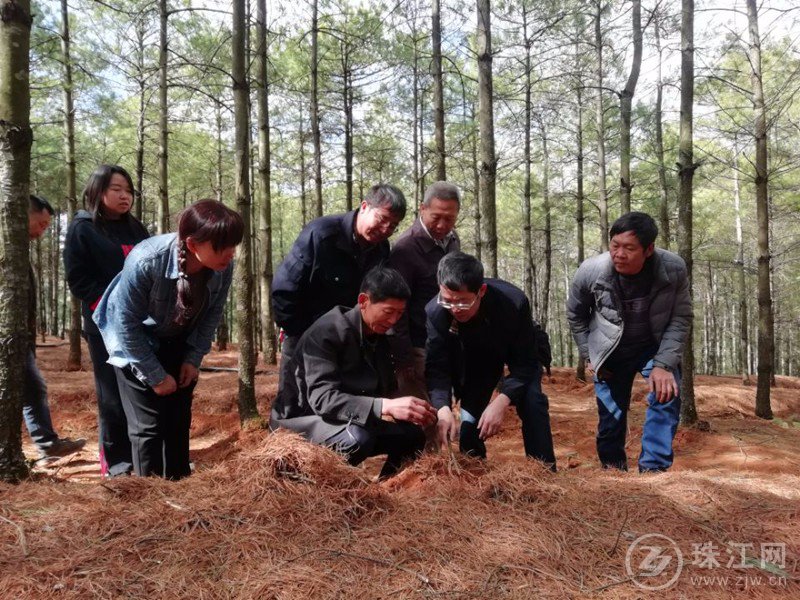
column 269, row 516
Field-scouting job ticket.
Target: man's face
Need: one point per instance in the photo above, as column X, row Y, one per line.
column 38, row 222
column 628, row 254
column 375, row 224
column 439, row 217
column 380, row 317
column 462, row 304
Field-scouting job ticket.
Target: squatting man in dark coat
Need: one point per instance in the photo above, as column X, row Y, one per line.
column 340, row 393
column 477, row 327
column 630, row 311
column 327, row 262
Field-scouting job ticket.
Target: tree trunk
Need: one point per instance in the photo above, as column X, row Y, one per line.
column 765, row 335
column 244, row 274
column 488, row 167
column 40, row 306
column 315, row 109
column 625, row 109
column 548, row 238
column 265, row 176
column 742, row 287
column 416, row 154
column 74, row 356
column 55, row 254
column 662, row 170
column 139, row 191
column 223, row 332
column 347, row 106
column 602, row 200
column 163, row 173
column 527, row 241
column 713, row 333
column 15, row 154
column 302, row 144
column 580, row 372
column 476, row 186
column 438, row 91
column 686, row 168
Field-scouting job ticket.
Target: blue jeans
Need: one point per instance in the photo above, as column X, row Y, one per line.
column 35, row 409
column 613, row 391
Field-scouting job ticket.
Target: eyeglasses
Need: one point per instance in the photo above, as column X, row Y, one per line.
column 386, row 220
column 455, row 305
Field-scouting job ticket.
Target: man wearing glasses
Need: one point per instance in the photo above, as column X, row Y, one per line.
column 327, row 262
column 477, row 327
column 416, row 255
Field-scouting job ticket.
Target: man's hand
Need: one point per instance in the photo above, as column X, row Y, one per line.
column 166, row 387
column 492, row 418
column 409, row 408
column 446, row 428
column 188, row 375
column 663, row 383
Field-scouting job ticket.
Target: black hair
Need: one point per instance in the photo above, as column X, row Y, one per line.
column 459, row 270
column 98, row 183
column 443, row 190
column 387, row 195
column 204, row 221
column 38, row 204
column 383, row 283
column 641, row 224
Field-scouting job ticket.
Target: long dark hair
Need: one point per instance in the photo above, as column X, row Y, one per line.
column 204, row 221
column 95, row 188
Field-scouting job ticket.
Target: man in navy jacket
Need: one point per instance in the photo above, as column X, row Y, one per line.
column 327, row 262
column 477, row 327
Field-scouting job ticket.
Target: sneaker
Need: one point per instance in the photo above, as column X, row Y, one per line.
column 62, row 447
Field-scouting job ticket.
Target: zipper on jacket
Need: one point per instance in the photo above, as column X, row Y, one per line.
column 600, row 362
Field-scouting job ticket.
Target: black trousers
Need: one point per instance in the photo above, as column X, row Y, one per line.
column 115, row 447
column 534, row 412
column 399, row 441
column 158, row 426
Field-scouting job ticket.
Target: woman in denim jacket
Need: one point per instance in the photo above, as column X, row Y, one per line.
column 157, row 319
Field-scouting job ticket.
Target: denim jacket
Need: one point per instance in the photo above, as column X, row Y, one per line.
column 139, row 304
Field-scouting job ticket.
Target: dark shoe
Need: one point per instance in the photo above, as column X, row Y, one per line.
column 62, row 447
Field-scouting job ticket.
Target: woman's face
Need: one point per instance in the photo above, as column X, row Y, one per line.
column 117, row 198
column 217, row 260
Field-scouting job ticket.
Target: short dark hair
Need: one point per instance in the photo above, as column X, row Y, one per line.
column 382, row 283
column 443, row 190
column 459, row 270
column 383, row 194
column 37, row 204
column 641, row 224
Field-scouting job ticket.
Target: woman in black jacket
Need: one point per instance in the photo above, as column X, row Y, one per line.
column 98, row 240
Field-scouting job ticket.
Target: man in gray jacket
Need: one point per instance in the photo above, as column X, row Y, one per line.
column 630, row 311
column 341, row 395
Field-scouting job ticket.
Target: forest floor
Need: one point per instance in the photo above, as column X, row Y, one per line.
column 269, row 516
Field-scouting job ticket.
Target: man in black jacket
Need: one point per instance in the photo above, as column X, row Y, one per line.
column 343, row 380
column 327, row 262
column 476, row 327
column 35, row 409
column 416, row 254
